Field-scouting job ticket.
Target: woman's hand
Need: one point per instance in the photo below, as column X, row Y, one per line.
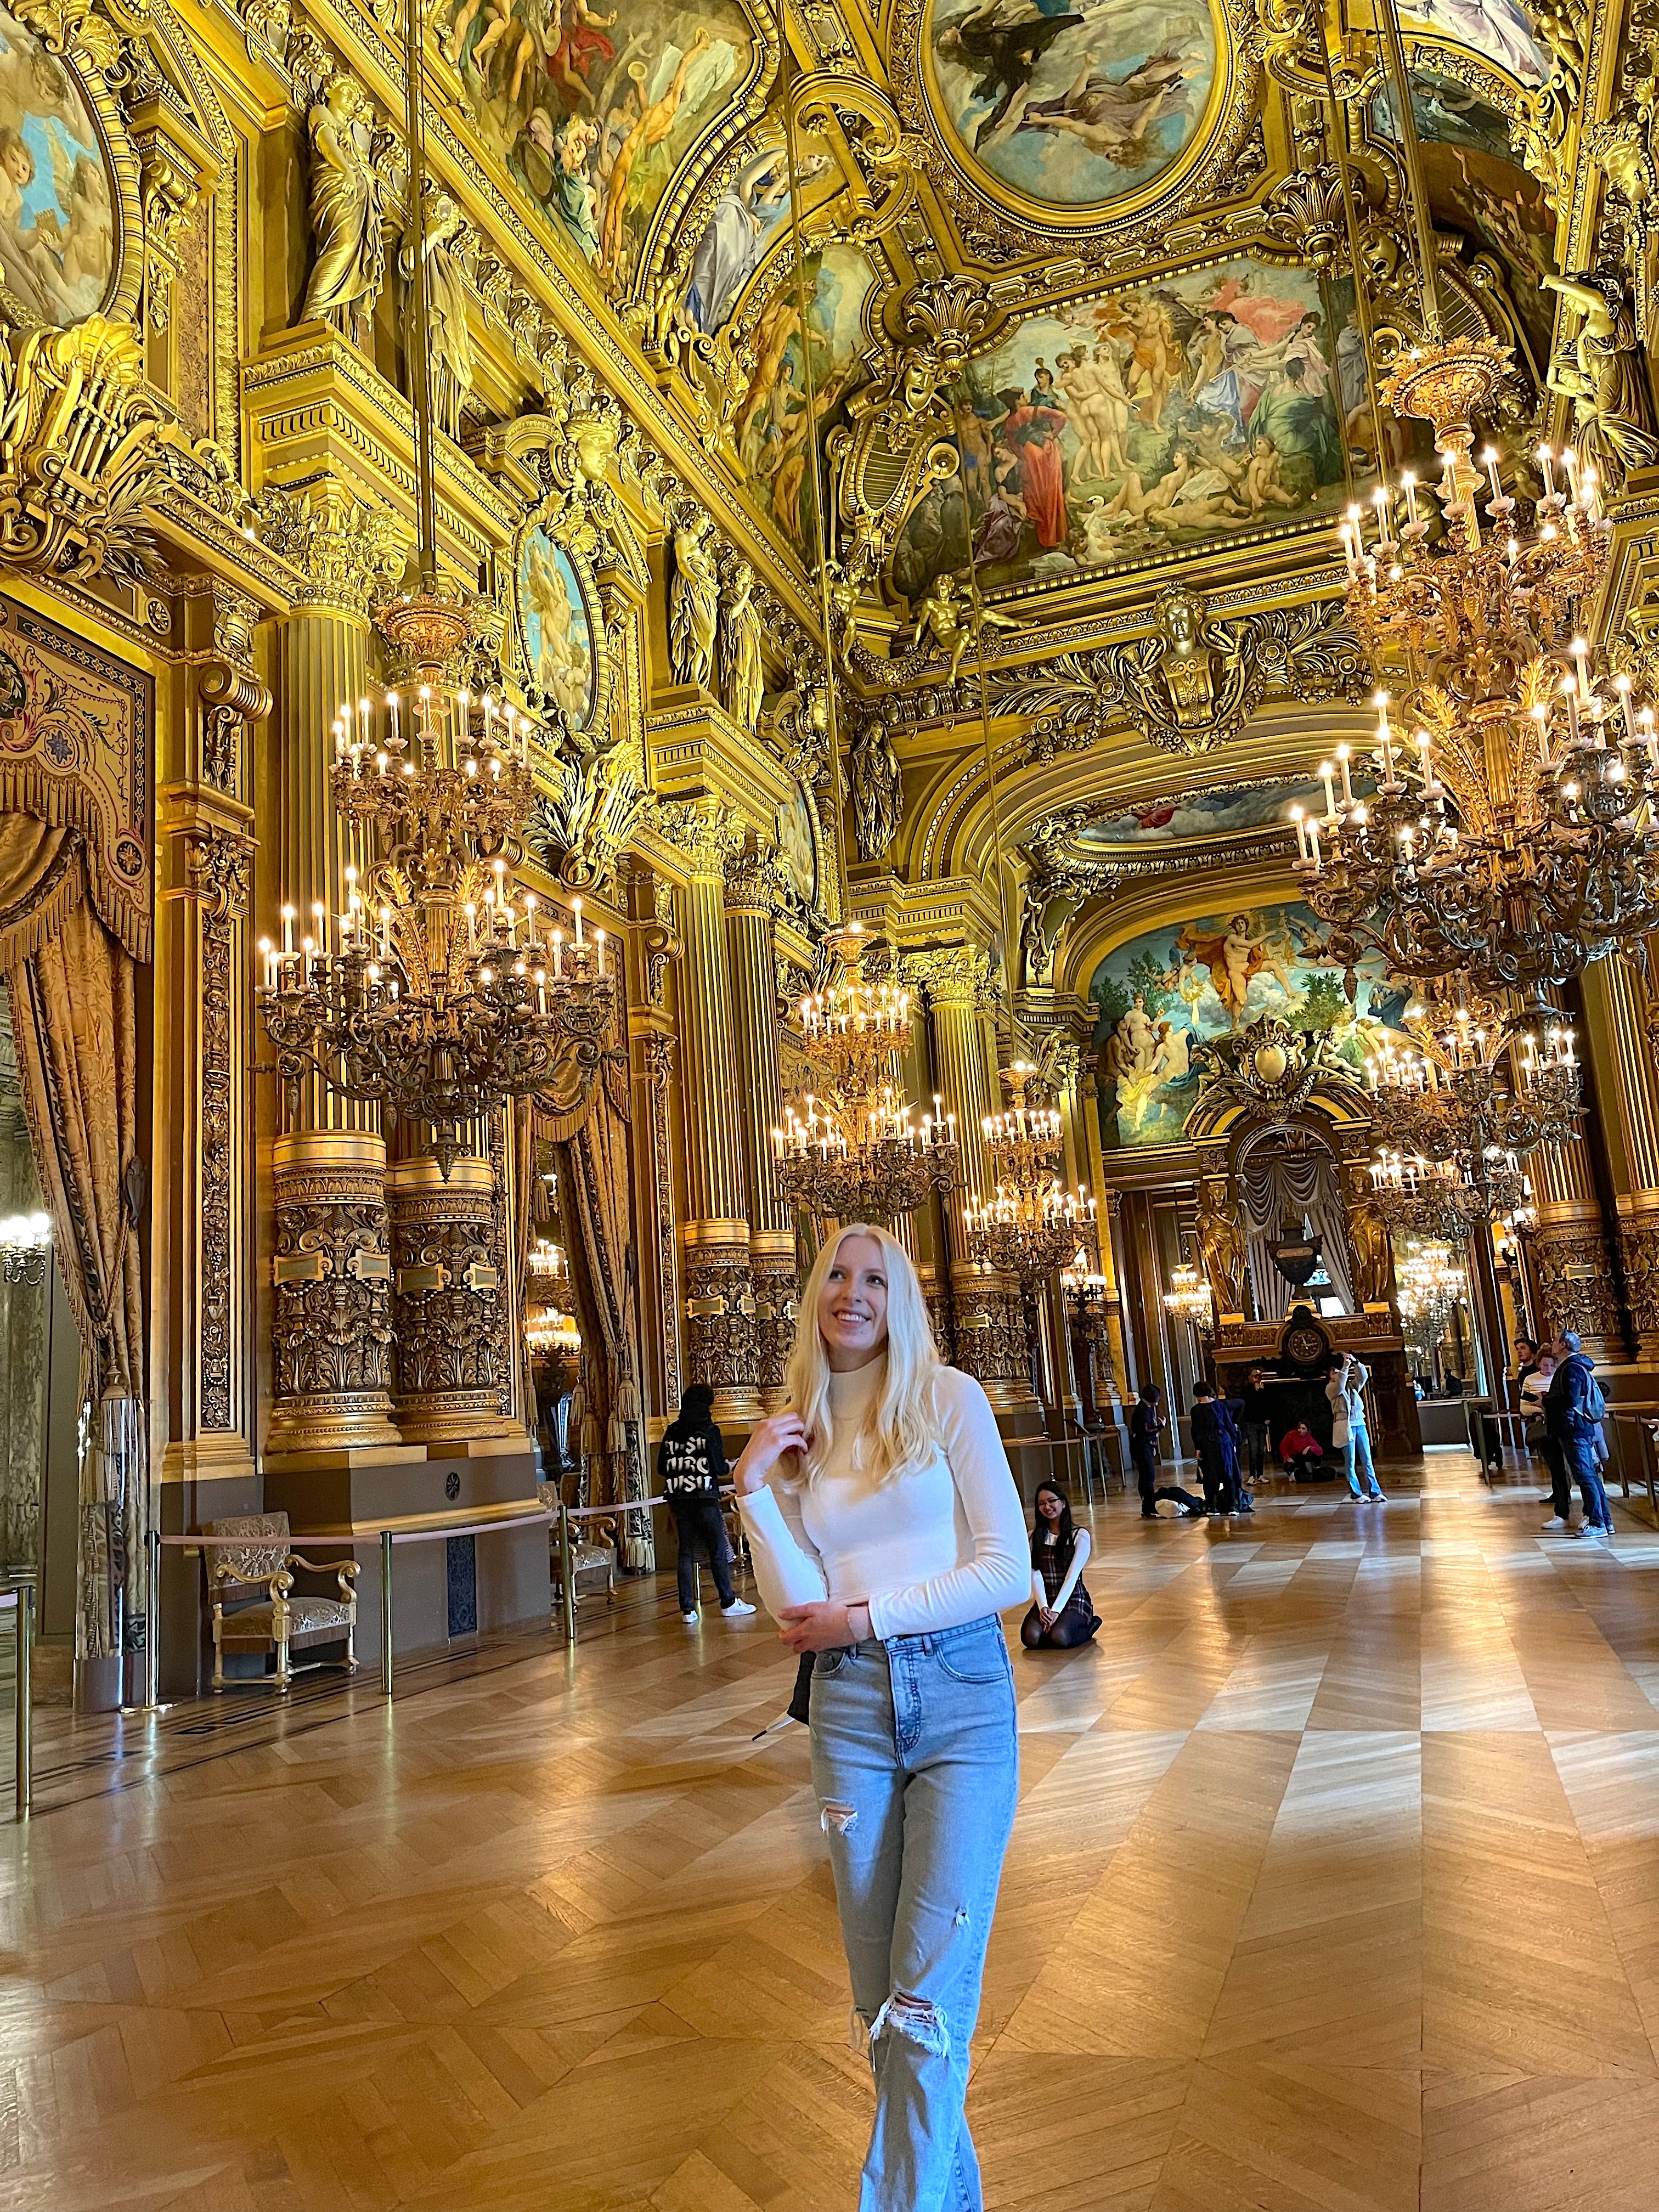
column 821, row 1628
column 1047, row 1617
column 771, row 1440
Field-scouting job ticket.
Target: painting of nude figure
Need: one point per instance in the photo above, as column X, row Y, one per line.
column 1211, row 404
column 1072, row 102
column 593, row 109
column 1163, row 996
column 57, row 212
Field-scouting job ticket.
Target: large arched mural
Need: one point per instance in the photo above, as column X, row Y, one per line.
column 1162, row 995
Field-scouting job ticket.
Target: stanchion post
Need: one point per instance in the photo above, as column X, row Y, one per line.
column 386, row 1613
column 566, row 1588
column 153, row 1624
column 23, row 1629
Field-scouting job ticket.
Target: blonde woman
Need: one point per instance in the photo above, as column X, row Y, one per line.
column 887, row 1535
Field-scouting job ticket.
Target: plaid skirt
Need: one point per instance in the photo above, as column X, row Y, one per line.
column 1054, row 1574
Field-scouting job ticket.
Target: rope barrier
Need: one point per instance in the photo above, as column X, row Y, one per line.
column 561, row 1516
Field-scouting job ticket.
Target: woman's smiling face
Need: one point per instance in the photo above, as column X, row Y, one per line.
column 852, row 1304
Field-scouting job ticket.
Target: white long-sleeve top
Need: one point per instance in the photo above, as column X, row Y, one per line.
column 936, row 1548
column 1079, row 1560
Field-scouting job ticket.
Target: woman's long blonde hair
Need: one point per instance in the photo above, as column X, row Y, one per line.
column 900, row 1431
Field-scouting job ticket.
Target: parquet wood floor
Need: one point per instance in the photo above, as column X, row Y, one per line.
column 1335, row 1889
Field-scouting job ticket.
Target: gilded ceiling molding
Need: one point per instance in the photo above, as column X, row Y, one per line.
column 1192, row 684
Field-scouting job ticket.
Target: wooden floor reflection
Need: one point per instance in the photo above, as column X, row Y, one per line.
column 1335, row 1885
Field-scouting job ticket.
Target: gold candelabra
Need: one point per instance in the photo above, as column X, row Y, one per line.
column 1190, row 1298
column 1032, row 1224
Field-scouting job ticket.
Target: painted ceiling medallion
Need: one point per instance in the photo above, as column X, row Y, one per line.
column 1062, row 109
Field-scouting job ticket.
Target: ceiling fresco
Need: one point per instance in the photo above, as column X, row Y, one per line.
column 1203, row 814
column 770, row 429
column 1478, row 187
column 1208, row 406
column 593, row 112
column 1499, row 32
column 1070, row 107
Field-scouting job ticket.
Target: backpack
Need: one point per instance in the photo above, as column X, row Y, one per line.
column 1594, row 1407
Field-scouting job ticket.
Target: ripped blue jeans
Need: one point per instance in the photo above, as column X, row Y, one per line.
column 915, row 1762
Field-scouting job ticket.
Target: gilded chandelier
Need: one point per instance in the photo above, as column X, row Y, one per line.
column 1450, row 1199
column 1032, row 1224
column 1447, row 1101
column 1511, row 835
column 433, row 991
column 1189, row 1298
column 853, row 1147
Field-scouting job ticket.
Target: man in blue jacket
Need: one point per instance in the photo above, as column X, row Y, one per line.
column 1574, row 1410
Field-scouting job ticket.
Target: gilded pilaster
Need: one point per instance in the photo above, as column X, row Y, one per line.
column 202, row 943
column 1626, row 1090
column 752, row 891
column 987, row 1309
column 722, row 1339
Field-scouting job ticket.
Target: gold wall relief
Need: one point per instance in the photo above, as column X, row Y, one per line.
column 218, row 862
column 1192, row 683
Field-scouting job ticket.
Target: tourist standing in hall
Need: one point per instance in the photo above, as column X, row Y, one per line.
column 887, row 1536
column 1147, row 1422
column 1215, row 1440
column 1345, row 1378
column 1574, row 1410
column 1061, row 1615
column 1258, row 1420
column 691, row 1466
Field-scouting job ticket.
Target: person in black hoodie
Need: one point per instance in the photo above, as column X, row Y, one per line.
column 691, row 1466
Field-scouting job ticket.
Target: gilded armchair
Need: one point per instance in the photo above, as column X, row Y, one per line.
column 281, row 1620
column 593, row 1553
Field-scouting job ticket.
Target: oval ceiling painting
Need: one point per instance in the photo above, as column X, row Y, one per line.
column 558, row 632
column 56, row 215
column 1070, row 105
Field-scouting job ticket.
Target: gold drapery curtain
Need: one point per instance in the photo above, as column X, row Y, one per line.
column 72, row 988
column 591, row 1141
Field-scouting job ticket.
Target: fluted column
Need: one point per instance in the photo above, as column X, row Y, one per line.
column 1627, row 1093
column 324, row 659
column 752, row 887
column 988, row 1310
column 722, row 1339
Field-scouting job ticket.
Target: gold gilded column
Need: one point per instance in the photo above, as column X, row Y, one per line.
column 447, row 1293
column 333, row 1330
column 752, row 889
column 331, row 1338
column 722, row 1347
column 1627, row 1093
column 1571, row 1252
column 987, row 1309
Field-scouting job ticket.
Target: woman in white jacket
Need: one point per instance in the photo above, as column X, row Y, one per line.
column 887, row 1536
column 1344, row 1386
